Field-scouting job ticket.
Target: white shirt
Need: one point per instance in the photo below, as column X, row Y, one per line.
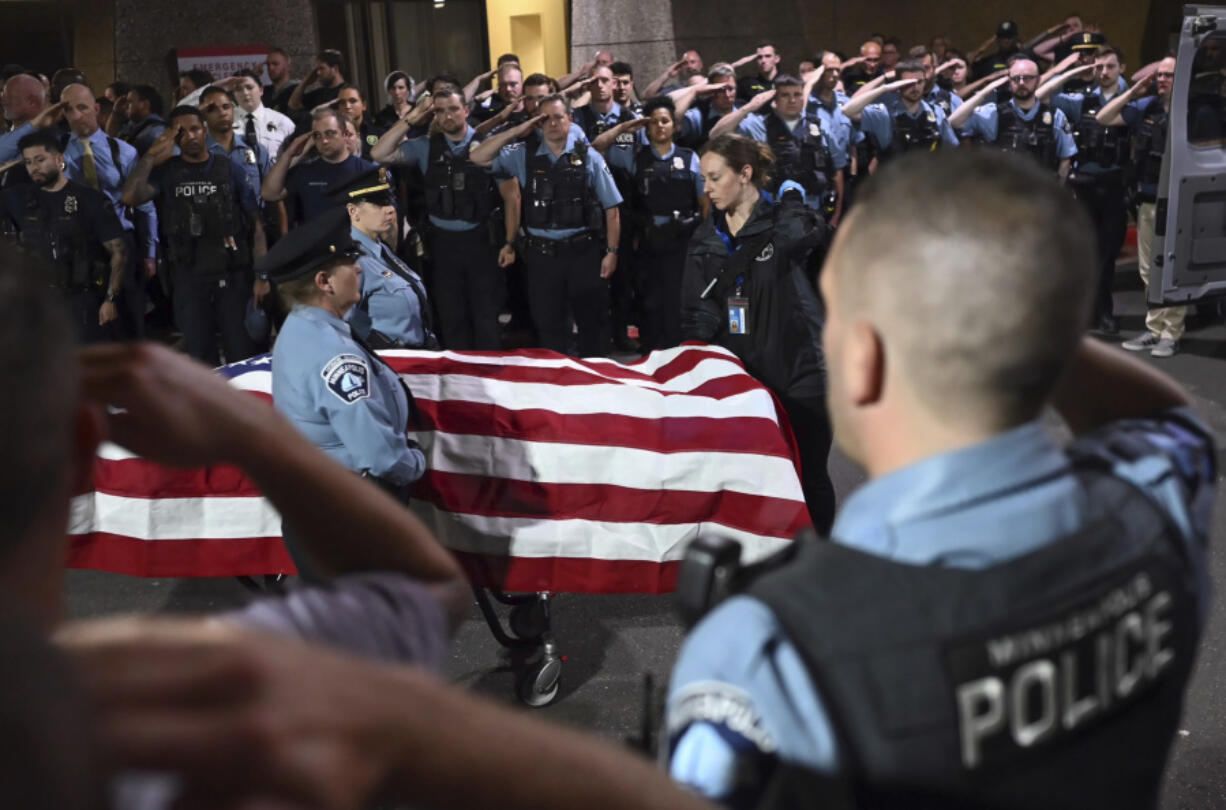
column 271, row 127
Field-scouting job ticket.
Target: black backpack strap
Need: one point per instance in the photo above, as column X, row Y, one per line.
column 114, row 144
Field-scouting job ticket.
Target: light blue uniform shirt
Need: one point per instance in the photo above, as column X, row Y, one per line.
column 346, row 403
column 622, row 157
column 389, row 302
column 9, row 140
column 110, row 181
column 253, row 160
column 983, row 123
column 837, row 126
column 970, row 509
column 416, row 152
column 512, row 161
column 878, row 120
column 693, row 128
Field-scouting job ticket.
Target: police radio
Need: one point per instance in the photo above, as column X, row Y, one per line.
column 711, row 571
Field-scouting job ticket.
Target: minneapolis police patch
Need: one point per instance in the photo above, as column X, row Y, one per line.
column 348, row 377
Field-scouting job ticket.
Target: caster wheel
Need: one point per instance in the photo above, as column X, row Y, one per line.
column 528, row 621
column 538, row 685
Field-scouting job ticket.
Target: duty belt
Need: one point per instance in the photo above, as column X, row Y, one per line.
column 551, row 247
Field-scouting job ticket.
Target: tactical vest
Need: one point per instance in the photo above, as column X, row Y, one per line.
column 665, row 188
column 942, row 97
column 204, row 229
column 1106, row 146
column 1149, row 147
column 1052, row 680
column 61, row 238
column 921, row 133
column 457, row 188
column 802, row 158
column 1035, row 137
column 557, row 195
column 593, row 126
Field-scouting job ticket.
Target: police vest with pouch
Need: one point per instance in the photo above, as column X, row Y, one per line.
column 1052, row 680
column 1149, row 146
column 206, row 232
column 594, row 126
column 457, row 188
column 922, row 132
column 1106, row 146
column 943, row 98
column 60, row 237
column 802, row 158
column 1036, row 136
column 558, row 195
column 665, row 188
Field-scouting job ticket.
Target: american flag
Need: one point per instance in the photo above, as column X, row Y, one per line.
column 545, row 473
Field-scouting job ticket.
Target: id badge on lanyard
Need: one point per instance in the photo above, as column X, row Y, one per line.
column 738, row 310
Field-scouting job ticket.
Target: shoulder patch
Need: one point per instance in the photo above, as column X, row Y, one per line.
column 720, row 704
column 348, row 377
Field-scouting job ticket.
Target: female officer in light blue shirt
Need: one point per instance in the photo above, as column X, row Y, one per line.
column 394, row 311
column 328, row 382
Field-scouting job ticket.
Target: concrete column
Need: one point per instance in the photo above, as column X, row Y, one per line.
column 636, row 32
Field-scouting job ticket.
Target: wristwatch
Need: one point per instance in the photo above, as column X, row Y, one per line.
column 111, row 295
column 509, row 244
column 612, row 251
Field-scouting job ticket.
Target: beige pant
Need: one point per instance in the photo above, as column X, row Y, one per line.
column 1165, row 322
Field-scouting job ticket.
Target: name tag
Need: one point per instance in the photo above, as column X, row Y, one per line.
column 738, row 315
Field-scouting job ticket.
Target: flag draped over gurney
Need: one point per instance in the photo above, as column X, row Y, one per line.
column 544, row 473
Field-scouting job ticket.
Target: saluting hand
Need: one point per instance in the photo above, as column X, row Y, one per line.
column 164, row 146
column 49, row 116
column 760, row 100
column 299, row 145
column 950, row 63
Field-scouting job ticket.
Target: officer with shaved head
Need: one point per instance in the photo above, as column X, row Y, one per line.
column 998, row 619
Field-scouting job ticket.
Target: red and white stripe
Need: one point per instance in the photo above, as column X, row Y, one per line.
column 545, row 473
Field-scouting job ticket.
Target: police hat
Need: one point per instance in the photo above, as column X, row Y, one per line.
column 1089, row 41
column 371, row 186
column 1007, row 30
column 256, row 322
column 309, row 246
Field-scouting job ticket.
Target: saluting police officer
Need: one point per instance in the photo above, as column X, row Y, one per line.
column 803, row 150
column 1098, row 172
column 997, row 620
column 913, row 124
column 665, row 204
column 465, row 217
column 394, row 311
column 75, row 229
column 213, row 235
column 571, row 224
column 1148, row 118
column 1023, row 124
column 325, row 379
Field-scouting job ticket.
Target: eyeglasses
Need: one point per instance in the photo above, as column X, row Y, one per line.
column 1030, row 77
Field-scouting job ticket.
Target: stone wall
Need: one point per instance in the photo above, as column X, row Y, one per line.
column 148, row 31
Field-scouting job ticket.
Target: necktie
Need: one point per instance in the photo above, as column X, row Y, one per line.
column 249, row 131
column 88, row 167
column 401, row 269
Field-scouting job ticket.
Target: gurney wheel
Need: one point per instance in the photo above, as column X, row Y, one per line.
column 538, row 684
column 529, row 621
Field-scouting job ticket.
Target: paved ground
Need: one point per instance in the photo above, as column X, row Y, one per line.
column 611, row 642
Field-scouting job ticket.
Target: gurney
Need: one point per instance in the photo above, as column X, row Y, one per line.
column 546, row 474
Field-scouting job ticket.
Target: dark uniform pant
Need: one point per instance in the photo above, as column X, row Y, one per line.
column 83, row 306
column 202, row 308
column 1104, row 201
column 134, row 299
column 564, row 280
column 469, row 288
column 811, row 426
column 660, row 269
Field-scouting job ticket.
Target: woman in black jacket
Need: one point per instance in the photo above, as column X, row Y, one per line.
column 747, row 287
